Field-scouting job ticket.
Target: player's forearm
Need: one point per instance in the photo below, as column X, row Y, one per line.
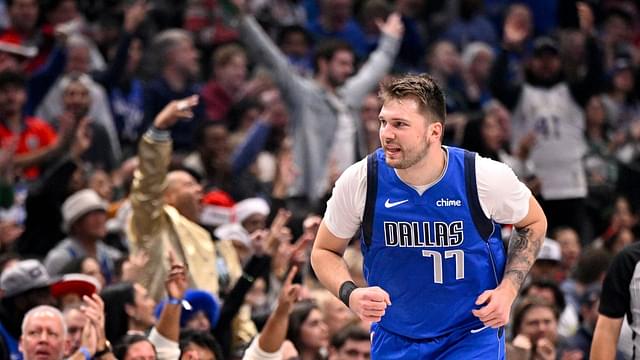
column 605, row 338
column 523, row 248
column 330, row 268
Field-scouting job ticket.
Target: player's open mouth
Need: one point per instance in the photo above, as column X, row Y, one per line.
column 392, row 150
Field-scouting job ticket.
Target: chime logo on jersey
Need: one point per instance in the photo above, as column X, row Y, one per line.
column 425, row 234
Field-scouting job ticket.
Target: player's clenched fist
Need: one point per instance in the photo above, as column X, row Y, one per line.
column 369, row 303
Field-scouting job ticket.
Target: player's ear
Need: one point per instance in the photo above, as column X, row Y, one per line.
column 435, row 130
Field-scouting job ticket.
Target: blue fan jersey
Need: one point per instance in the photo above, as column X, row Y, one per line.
column 433, row 253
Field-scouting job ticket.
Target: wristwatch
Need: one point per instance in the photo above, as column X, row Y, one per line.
column 107, row 349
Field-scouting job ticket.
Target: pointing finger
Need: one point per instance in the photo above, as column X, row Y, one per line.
column 291, row 275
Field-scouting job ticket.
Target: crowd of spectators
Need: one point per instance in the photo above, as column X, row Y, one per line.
column 164, row 164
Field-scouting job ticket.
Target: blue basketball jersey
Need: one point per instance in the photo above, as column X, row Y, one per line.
column 433, row 253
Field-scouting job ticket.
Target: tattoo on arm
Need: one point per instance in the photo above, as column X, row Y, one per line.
column 521, row 255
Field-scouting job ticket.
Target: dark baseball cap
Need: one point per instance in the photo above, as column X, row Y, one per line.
column 545, row 45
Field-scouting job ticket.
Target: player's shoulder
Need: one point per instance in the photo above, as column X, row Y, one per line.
column 495, row 176
column 485, row 164
column 356, row 172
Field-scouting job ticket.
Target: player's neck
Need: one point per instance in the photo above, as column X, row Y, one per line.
column 427, row 170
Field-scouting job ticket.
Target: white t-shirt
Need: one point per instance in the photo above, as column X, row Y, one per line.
column 502, row 196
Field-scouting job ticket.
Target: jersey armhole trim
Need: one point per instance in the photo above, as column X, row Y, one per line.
column 370, row 203
column 484, row 225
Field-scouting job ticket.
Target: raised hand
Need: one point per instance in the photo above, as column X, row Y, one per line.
column 89, row 338
column 289, row 293
column 585, row 17
column 286, row 174
column 278, row 231
column 311, row 224
column 93, row 309
column 134, row 265
column 393, row 26
column 175, row 110
column 83, row 138
column 176, row 283
column 369, row 303
column 259, row 242
column 517, row 29
column 134, row 15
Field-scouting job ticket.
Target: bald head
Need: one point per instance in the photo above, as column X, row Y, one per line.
column 184, row 193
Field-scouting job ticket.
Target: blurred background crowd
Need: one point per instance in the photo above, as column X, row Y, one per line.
column 192, row 217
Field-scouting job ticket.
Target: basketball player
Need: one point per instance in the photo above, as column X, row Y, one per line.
column 440, row 285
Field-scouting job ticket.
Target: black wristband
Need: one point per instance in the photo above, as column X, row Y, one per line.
column 345, row 291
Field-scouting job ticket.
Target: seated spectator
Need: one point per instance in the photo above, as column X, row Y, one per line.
column 583, row 338
column 270, row 343
column 195, row 344
column 53, row 104
column 239, row 237
column 135, row 346
column 206, row 22
column 211, row 156
column 547, row 264
column 24, row 286
column 252, row 214
column 84, row 215
column 77, row 96
column 336, row 21
column 308, row 331
column 72, row 288
column 44, row 333
column 228, row 81
column 600, row 164
column 369, row 113
column 351, row 342
column 535, row 331
column 87, row 265
column 14, row 55
column 129, row 309
column 75, row 321
column 471, row 25
column 202, row 314
column 589, row 272
column 278, row 14
column 174, row 78
column 548, row 290
column 24, row 16
column 65, row 16
column 477, row 59
column 295, row 43
column 131, row 312
column 85, row 323
column 32, row 140
column 44, row 202
column 100, row 182
column 570, row 249
column 335, row 313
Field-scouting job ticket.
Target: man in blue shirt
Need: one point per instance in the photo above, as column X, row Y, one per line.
column 428, row 217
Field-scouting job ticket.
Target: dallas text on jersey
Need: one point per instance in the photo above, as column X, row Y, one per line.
column 425, row 234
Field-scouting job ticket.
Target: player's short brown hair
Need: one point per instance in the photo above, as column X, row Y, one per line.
column 422, row 88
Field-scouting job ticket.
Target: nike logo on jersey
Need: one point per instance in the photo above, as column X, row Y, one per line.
column 475, row 331
column 388, row 204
